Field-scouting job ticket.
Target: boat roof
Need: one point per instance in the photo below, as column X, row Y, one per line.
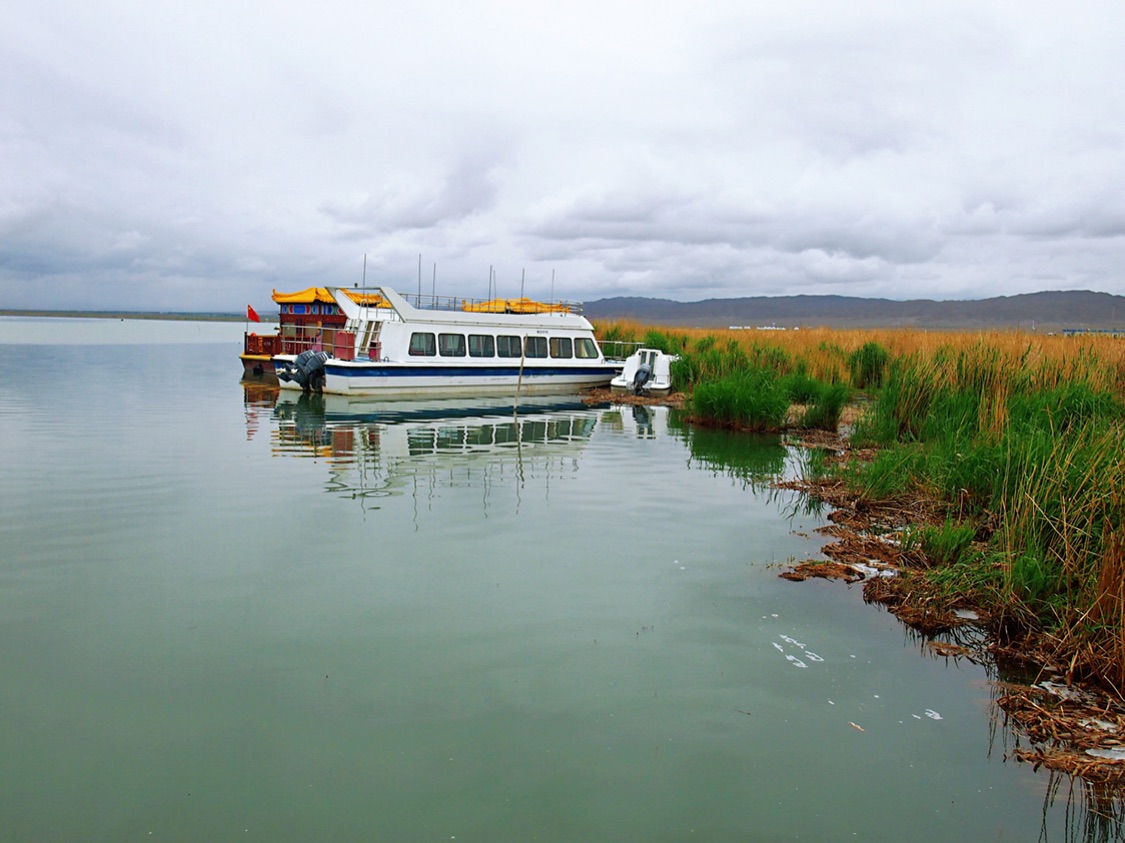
column 455, row 311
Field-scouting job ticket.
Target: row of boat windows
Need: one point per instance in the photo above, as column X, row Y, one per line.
column 425, row 344
column 313, row 309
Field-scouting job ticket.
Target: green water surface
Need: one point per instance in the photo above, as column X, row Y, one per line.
column 225, row 616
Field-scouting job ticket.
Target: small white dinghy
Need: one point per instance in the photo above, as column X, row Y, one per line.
column 647, row 371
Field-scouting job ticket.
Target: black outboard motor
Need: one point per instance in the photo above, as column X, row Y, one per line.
column 644, row 372
column 308, row 370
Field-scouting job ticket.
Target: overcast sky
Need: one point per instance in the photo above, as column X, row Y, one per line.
column 190, row 154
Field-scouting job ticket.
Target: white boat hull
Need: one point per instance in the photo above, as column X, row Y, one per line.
column 363, row 378
column 617, row 385
column 647, row 371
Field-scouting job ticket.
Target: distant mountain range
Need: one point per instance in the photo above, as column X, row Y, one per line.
column 1050, row 311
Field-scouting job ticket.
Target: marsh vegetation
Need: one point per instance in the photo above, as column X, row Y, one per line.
column 1017, row 440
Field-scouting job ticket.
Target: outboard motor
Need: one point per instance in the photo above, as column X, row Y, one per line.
column 308, row 370
column 644, row 373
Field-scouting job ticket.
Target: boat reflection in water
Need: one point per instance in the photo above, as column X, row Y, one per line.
column 258, row 400
column 636, row 420
column 754, row 460
column 375, row 447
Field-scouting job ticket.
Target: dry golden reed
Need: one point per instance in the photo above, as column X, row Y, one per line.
column 1048, row 359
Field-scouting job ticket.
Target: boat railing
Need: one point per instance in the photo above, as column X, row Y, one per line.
column 618, row 350
column 424, row 301
column 297, row 338
column 339, row 343
column 263, row 344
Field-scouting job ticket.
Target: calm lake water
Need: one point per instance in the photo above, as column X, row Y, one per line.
column 229, row 617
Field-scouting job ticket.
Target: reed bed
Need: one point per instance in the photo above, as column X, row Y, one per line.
column 1019, row 437
column 1027, row 451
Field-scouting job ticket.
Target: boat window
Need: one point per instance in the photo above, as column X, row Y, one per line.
column 536, row 347
column 561, row 347
column 585, row 348
column 482, row 345
column 422, row 345
column 451, row 345
column 508, row 347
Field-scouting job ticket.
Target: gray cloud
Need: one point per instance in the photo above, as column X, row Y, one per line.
column 471, row 186
column 198, row 158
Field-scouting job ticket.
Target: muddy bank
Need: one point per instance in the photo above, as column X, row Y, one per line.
column 1071, row 727
column 605, row 395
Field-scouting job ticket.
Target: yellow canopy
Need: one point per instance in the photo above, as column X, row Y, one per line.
column 367, row 299
column 514, row 306
column 321, row 294
column 306, row 296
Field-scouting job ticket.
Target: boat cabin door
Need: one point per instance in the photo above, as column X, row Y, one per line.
column 371, row 340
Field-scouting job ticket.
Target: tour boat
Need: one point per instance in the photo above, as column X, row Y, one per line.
column 303, row 317
column 451, row 346
column 647, row 371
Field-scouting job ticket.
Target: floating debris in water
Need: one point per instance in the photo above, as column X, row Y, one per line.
column 873, row 568
column 933, row 715
column 944, row 648
column 1112, row 753
column 794, row 660
column 856, row 726
column 1062, row 691
column 1095, row 723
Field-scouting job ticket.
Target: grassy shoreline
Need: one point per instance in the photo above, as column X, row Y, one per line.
column 987, row 467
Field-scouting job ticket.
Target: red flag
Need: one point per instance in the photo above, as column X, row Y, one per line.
column 251, row 314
